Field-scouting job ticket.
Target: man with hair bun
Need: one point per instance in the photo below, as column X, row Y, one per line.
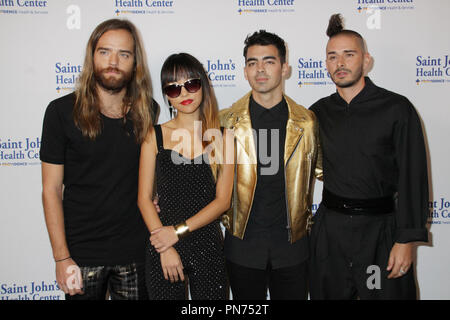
column 375, row 195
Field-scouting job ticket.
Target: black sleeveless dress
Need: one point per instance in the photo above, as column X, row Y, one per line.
column 184, row 187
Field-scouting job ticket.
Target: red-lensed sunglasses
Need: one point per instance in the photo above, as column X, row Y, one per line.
column 174, row 90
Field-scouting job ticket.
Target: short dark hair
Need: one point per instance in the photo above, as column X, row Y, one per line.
column 264, row 38
column 336, row 27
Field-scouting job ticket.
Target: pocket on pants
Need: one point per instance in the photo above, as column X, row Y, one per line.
column 318, row 236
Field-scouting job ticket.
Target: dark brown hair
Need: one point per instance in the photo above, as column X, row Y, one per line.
column 264, row 38
column 336, row 27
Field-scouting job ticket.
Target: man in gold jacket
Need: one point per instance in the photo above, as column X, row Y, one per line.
column 276, row 153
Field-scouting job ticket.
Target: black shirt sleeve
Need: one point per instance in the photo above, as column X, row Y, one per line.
column 411, row 160
column 53, row 141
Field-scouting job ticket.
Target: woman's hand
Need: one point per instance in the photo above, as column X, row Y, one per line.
column 171, row 265
column 163, row 238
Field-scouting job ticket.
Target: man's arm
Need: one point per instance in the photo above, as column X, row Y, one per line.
column 52, row 186
column 319, row 166
column 223, row 117
column 412, row 212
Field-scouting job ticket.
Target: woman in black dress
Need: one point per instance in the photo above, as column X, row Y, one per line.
column 186, row 156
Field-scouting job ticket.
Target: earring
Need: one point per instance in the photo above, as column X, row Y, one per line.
column 170, row 110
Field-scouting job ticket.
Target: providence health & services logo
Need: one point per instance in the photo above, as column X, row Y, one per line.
column 265, row 6
column 312, row 72
column 432, row 69
column 439, row 211
column 24, row 7
column 34, row 290
column 67, row 75
column 19, row 152
column 385, row 5
column 144, row 7
column 221, row 72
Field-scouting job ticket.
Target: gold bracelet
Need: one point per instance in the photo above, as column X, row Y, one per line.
column 182, row 230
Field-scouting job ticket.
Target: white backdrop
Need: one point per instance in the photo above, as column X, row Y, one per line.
column 43, row 45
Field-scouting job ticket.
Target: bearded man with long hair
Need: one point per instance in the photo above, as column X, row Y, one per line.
column 90, row 160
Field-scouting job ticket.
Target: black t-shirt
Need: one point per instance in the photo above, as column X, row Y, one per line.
column 103, row 224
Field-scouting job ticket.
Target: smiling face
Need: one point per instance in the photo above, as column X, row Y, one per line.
column 114, row 60
column 263, row 69
column 346, row 60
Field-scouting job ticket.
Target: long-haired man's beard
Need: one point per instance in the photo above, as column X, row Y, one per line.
column 358, row 74
column 112, row 83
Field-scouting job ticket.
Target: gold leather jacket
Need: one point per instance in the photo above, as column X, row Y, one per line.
column 301, row 157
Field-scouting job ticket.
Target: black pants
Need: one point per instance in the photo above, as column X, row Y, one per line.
column 284, row 284
column 122, row 282
column 349, row 256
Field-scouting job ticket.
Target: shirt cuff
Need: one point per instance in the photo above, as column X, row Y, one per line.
column 411, row 235
column 52, row 160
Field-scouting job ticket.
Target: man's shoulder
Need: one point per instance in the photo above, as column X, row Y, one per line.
column 321, row 103
column 298, row 111
column 399, row 102
column 227, row 115
column 397, row 97
column 62, row 104
column 241, row 104
column 223, row 115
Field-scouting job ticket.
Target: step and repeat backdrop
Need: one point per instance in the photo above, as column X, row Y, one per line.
column 43, row 44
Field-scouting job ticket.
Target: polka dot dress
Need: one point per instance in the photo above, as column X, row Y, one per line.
column 184, row 187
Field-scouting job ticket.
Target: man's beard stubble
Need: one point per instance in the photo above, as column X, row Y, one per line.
column 359, row 74
column 112, row 84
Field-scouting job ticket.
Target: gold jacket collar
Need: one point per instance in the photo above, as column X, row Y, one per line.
column 239, row 118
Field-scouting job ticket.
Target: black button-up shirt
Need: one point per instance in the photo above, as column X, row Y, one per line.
column 269, row 202
column 266, row 239
column 374, row 147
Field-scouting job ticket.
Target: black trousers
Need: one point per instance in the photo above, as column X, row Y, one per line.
column 349, row 256
column 122, row 282
column 288, row 283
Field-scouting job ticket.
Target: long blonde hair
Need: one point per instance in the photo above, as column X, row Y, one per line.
column 181, row 65
column 138, row 96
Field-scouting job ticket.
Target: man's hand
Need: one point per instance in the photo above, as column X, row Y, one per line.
column 400, row 260
column 68, row 276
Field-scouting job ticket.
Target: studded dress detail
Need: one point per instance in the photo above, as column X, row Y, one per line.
column 183, row 190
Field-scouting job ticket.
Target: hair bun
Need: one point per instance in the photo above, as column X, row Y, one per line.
column 335, row 25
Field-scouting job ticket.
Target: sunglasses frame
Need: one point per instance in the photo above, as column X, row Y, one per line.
column 179, row 87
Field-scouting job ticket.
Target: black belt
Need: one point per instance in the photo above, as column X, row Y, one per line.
column 358, row 206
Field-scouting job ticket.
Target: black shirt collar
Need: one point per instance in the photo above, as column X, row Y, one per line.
column 369, row 90
column 257, row 110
